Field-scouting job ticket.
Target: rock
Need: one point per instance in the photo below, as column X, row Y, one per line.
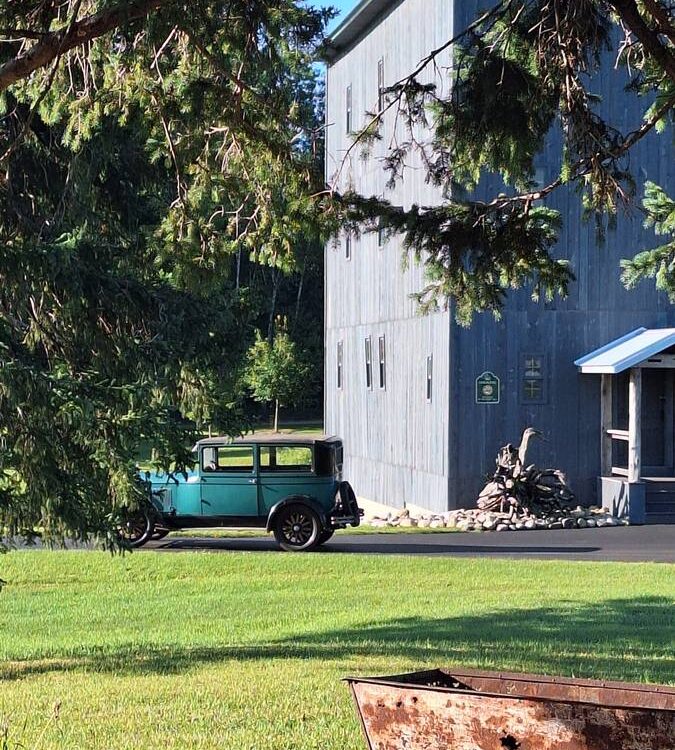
column 569, row 523
column 555, row 525
column 519, row 526
column 530, row 523
column 378, row 522
column 451, row 523
column 406, row 522
column 613, row 521
column 512, row 526
column 591, row 523
column 437, row 523
column 502, row 527
column 405, row 513
column 489, row 525
column 423, row 523
column 393, row 522
column 582, row 523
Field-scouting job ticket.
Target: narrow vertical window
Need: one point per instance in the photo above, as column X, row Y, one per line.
column 382, row 362
column 369, row 363
column 430, row 375
column 348, row 246
column 348, row 109
column 380, row 85
column 381, row 236
column 339, row 365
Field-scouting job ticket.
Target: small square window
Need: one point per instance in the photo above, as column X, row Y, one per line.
column 533, row 367
column 382, row 363
column 532, row 390
column 369, row 363
column 339, row 364
column 429, row 379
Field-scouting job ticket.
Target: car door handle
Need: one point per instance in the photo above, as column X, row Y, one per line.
column 253, row 481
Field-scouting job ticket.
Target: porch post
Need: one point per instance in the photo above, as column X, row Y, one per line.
column 634, row 425
column 605, row 424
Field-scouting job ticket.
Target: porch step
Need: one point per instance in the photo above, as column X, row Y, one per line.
column 659, row 501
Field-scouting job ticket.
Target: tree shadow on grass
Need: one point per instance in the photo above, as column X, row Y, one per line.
column 624, row 639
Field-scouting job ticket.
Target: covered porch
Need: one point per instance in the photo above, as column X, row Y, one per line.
column 637, row 424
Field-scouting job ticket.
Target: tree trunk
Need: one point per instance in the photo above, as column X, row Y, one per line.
column 299, row 296
column 276, row 415
column 273, row 305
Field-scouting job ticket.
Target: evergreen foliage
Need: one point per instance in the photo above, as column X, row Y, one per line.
column 518, row 71
column 156, row 171
column 658, row 263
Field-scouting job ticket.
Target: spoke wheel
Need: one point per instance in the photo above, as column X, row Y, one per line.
column 137, row 529
column 297, row 528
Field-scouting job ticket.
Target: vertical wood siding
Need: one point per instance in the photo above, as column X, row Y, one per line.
column 398, row 447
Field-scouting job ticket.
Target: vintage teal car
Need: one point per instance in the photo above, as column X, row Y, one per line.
column 291, row 486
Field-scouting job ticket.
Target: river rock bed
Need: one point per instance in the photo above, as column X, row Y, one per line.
column 474, row 519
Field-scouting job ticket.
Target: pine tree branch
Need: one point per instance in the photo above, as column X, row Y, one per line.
column 662, row 54
column 584, row 166
column 664, row 21
column 58, row 42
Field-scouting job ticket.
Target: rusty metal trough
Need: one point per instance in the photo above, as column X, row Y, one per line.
column 474, row 710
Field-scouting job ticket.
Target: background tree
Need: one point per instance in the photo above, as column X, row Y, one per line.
column 277, row 372
column 146, row 148
column 521, row 69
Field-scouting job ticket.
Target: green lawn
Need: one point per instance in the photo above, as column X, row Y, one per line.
column 246, row 651
column 238, row 533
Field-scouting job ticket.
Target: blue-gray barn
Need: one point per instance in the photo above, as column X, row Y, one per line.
column 423, row 404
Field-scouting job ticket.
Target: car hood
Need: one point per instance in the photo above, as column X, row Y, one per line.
column 157, row 478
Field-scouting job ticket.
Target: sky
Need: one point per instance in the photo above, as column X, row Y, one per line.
column 344, row 6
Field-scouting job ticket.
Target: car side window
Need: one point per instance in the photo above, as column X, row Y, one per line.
column 228, row 458
column 280, row 458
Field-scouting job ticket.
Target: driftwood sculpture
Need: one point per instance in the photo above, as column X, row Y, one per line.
column 520, row 489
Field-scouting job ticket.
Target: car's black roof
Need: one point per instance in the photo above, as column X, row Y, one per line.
column 266, row 438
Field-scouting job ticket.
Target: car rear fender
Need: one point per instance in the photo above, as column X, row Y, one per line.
column 296, row 500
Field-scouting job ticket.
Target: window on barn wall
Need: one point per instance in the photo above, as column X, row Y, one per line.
column 369, row 362
column 533, row 379
column 339, row 364
column 380, row 85
column 348, row 246
column 348, row 109
column 381, row 236
column 429, row 379
column 382, row 361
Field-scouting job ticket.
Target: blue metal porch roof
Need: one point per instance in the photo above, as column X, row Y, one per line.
column 627, row 351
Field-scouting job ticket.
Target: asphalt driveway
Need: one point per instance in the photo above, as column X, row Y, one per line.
column 625, row 543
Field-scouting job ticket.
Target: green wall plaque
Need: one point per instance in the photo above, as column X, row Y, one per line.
column 488, row 388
